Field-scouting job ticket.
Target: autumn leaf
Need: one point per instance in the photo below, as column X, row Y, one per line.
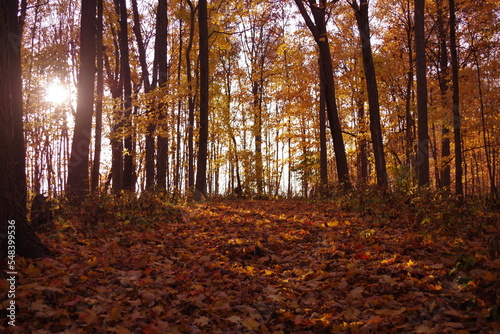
column 251, row 324
column 234, row 319
column 202, row 321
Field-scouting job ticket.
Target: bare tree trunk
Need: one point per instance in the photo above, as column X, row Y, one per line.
column 159, row 79
column 78, row 171
column 116, row 138
column 362, row 143
column 486, row 141
column 362, row 19
column 150, row 141
column 99, row 98
column 13, row 221
column 423, row 128
column 318, row 30
column 409, row 120
column 191, row 92
column 201, row 170
column 445, row 175
column 456, row 97
column 323, row 154
column 129, row 154
column 178, row 125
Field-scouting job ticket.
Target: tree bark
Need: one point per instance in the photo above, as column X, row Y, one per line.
column 159, row 79
column 318, row 30
column 191, row 96
column 445, row 170
column 150, row 140
column 372, row 91
column 128, row 154
column 409, row 120
column 323, row 154
column 486, row 141
column 13, row 221
column 456, row 98
column 78, row 167
column 201, row 170
column 422, row 122
column 99, row 97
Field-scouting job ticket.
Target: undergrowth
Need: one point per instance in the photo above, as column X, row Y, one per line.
column 105, row 210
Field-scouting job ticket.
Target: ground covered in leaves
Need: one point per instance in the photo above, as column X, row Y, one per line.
column 248, row 266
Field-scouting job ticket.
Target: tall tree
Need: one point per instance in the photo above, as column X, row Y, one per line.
column 456, row 106
column 318, row 30
column 323, row 153
column 201, row 170
column 13, row 221
column 78, row 168
column 362, row 19
column 191, row 97
column 421, row 71
column 150, row 140
column 99, row 97
column 445, row 175
column 482, row 108
column 160, row 76
column 128, row 155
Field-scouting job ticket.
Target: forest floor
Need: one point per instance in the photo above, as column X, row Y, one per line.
column 265, row 266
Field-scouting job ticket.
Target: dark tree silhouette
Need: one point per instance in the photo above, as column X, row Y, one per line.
column 201, row 171
column 78, row 168
column 13, row 221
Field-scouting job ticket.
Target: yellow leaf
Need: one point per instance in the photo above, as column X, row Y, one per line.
column 410, row 263
column 250, row 270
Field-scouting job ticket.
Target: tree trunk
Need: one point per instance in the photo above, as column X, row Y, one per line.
column 115, row 88
column 318, row 30
column 177, row 176
column 150, row 141
column 128, row 156
column 323, row 154
column 160, row 75
column 78, row 167
column 13, row 221
column 201, row 170
column 456, row 97
column 99, row 97
column 409, row 120
column 257, row 130
column 362, row 143
column 445, row 170
column 191, row 97
column 372, row 91
column 486, row 141
column 421, row 71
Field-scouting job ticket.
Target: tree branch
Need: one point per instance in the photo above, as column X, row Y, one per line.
column 310, row 24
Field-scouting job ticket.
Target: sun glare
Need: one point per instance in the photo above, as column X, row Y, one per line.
column 56, row 92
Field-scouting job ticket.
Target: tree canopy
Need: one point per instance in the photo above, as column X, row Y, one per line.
column 262, row 125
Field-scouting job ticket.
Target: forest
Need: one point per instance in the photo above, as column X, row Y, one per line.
column 255, row 166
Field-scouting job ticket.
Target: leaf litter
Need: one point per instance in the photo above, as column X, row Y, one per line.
column 278, row 266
